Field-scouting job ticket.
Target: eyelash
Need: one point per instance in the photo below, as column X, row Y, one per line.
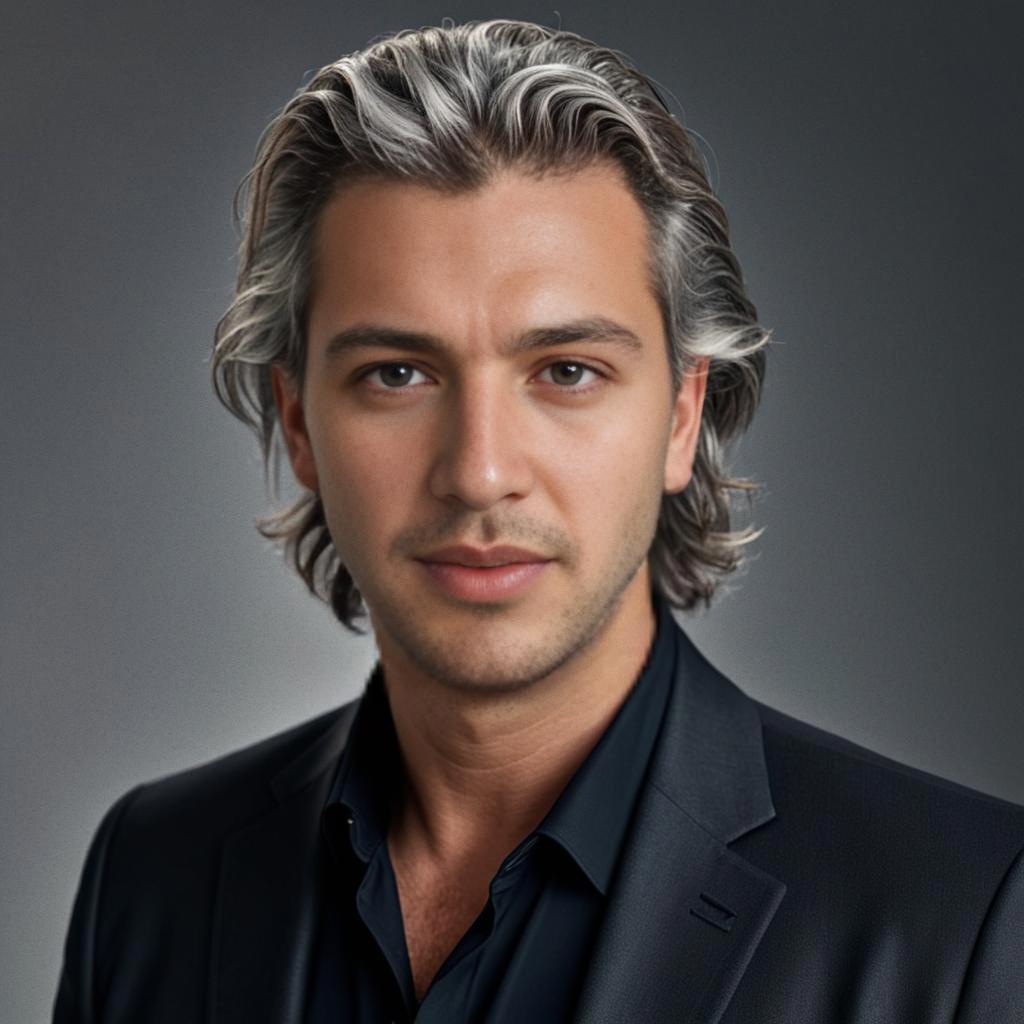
column 567, row 389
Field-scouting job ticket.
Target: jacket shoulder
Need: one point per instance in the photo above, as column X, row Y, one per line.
column 844, row 796
column 151, row 872
column 906, row 885
column 235, row 786
column 789, row 737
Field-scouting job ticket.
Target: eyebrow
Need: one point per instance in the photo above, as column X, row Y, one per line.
column 591, row 328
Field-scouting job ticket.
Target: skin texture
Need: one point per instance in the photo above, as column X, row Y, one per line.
column 495, row 704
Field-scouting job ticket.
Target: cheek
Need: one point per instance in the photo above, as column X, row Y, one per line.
column 613, row 481
column 621, row 455
column 365, row 485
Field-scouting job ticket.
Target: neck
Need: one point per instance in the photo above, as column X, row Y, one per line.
column 481, row 774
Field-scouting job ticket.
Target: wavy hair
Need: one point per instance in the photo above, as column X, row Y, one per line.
column 448, row 107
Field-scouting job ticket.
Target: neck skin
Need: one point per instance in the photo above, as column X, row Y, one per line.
column 480, row 775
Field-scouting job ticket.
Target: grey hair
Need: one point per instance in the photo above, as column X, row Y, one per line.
column 449, row 107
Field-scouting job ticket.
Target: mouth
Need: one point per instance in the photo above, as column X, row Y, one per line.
column 483, row 558
column 494, row 574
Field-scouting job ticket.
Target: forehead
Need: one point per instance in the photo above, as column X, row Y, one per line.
column 482, row 265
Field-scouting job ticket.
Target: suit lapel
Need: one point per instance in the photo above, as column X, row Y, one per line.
column 686, row 913
column 267, row 897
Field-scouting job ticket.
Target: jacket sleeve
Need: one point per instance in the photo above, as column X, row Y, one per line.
column 75, row 1000
column 994, row 985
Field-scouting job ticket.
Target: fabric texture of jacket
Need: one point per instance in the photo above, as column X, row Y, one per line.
column 773, row 874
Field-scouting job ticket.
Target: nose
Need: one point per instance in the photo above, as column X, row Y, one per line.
column 482, row 448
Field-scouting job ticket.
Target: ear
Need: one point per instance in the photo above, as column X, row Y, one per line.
column 293, row 427
column 686, row 417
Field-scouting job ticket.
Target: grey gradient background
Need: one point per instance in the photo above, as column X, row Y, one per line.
column 869, row 155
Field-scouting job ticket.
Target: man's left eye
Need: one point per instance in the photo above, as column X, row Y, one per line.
column 567, row 372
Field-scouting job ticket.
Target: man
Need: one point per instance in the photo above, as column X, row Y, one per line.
column 487, row 297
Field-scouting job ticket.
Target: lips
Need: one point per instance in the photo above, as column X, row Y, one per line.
column 484, row 575
column 463, row 554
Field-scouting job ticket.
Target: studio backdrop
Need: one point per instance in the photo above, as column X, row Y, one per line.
column 869, row 157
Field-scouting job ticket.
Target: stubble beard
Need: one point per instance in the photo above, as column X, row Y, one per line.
column 504, row 662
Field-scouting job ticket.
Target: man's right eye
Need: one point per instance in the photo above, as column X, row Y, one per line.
column 392, row 376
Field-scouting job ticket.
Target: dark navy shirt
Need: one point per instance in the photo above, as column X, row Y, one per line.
column 525, row 956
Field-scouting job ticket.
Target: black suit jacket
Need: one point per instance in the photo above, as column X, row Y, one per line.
column 773, row 874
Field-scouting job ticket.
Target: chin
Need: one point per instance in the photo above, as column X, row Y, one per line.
column 488, row 658
column 470, row 648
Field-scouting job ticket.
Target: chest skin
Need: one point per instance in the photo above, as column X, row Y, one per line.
column 437, row 910
column 435, row 914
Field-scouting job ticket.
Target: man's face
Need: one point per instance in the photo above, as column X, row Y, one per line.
column 564, row 450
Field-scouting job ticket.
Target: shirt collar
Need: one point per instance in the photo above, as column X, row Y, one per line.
column 370, row 769
column 591, row 815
